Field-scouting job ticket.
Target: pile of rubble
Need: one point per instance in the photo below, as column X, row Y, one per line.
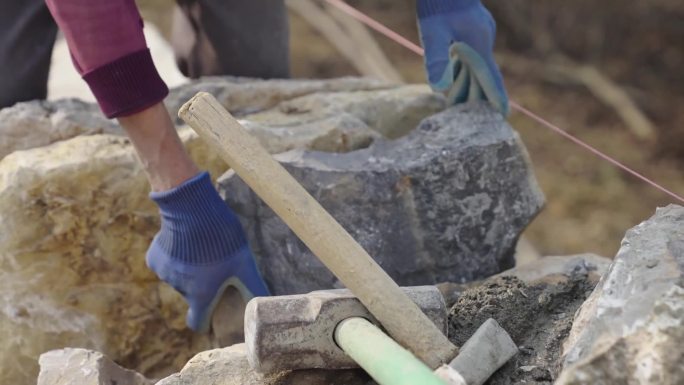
column 434, row 195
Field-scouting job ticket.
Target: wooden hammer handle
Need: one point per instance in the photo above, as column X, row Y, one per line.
column 324, row 236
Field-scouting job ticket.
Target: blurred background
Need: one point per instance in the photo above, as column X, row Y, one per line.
column 609, row 72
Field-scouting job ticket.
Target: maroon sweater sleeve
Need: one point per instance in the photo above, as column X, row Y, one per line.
column 108, row 49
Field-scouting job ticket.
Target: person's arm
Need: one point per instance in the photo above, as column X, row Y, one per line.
column 201, row 247
column 108, row 48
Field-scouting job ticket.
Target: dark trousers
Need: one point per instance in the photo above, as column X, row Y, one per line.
column 210, row 37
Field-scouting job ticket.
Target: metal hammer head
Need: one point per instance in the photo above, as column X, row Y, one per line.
column 296, row 331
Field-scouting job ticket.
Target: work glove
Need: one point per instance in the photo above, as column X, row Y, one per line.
column 201, row 249
column 458, row 38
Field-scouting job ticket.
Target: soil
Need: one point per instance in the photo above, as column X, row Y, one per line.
column 538, row 316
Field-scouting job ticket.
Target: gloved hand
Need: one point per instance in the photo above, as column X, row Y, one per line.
column 201, row 249
column 458, row 38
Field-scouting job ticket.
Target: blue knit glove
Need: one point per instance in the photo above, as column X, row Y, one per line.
column 458, row 38
column 201, row 249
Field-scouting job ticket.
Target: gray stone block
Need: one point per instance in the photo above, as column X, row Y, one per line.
column 631, row 329
column 447, row 202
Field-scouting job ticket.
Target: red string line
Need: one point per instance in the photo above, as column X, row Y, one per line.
column 365, row 19
column 377, row 26
column 593, row 150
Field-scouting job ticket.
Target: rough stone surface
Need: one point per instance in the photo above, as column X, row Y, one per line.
column 535, row 309
column 634, row 309
column 229, row 366
column 75, row 224
column 484, row 353
column 336, row 115
column 584, row 264
column 649, row 263
column 39, row 123
column 342, row 121
column 242, row 96
column 76, row 220
column 446, row 202
column 391, row 112
column 652, row 354
column 338, row 133
column 84, row 367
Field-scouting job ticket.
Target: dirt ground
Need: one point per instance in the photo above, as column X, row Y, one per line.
column 538, row 317
column 590, row 204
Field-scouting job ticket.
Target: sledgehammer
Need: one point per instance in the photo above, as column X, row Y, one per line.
column 321, row 233
column 324, row 236
column 331, row 329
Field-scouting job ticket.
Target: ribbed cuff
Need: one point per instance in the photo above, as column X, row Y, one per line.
column 127, row 85
column 197, row 226
column 182, row 196
column 425, row 8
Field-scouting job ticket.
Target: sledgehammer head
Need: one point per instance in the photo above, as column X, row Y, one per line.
column 296, row 331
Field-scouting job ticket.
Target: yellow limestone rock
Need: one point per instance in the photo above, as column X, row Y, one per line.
column 74, row 228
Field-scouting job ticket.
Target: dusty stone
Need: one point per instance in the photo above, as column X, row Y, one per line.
column 342, row 121
column 84, row 367
column 39, row 123
column 651, row 354
column 75, row 225
column 631, row 327
column 341, row 133
column 484, row 353
column 627, row 293
column 445, row 203
column 229, row 366
column 391, row 112
column 242, row 96
column 336, row 115
column 581, row 264
column 535, row 305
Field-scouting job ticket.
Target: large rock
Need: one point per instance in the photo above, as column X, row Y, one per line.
column 592, row 265
column 445, row 203
column 39, row 123
column 84, row 367
column 336, row 115
column 342, row 121
column 243, row 96
column 631, row 326
column 650, row 354
column 75, row 224
column 229, row 366
column 391, row 112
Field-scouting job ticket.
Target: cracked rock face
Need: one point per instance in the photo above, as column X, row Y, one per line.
column 76, row 221
column 632, row 326
column 652, row 353
column 74, row 228
column 39, row 123
column 446, row 202
column 84, row 367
